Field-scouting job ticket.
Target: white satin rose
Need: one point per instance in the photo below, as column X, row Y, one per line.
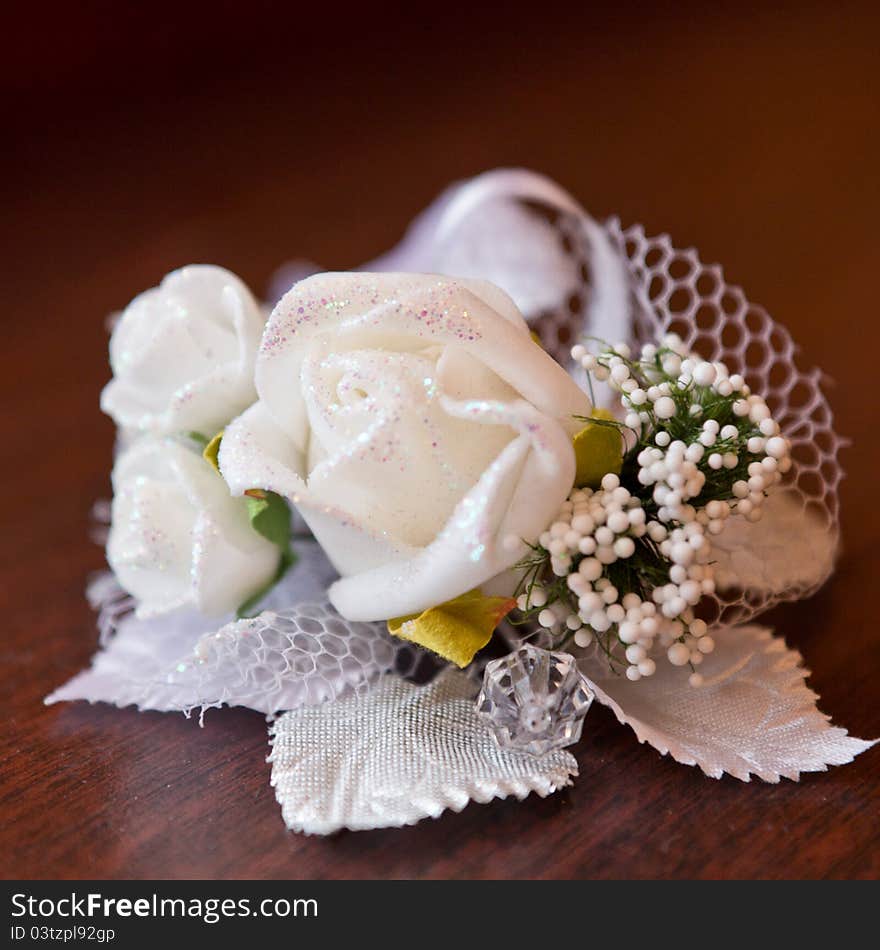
column 178, row 538
column 417, row 428
column 183, row 354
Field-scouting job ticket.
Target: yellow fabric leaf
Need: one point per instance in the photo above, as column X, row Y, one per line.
column 212, row 451
column 457, row 629
column 598, row 450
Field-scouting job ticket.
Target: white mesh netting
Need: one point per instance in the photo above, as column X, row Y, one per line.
column 297, row 651
column 791, row 553
column 678, row 293
column 303, row 655
column 675, row 292
column 111, row 603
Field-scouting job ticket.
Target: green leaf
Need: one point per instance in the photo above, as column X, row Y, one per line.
column 270, row 517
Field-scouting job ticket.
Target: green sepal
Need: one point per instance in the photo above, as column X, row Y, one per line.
column 457, row 629
column 598, row 449
column 200, row 440
column 211, row 451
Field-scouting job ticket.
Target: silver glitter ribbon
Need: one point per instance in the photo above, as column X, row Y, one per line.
column 397, row 754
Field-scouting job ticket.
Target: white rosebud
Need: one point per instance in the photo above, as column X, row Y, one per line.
column 178, row 538
column 370, row 386
column 183, row 354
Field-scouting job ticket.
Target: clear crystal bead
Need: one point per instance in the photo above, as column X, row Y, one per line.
column 534, row 700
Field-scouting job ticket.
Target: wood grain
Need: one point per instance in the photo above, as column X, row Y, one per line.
column 751, row 134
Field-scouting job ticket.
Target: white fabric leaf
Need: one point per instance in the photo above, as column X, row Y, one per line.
column 788, row 552
column 301, row 653
column 397, row 754
column 753, row 715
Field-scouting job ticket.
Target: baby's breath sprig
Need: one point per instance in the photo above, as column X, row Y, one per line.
column 624, row 566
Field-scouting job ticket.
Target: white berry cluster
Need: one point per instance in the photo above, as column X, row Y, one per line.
column 593, row 532
column 599, row 524
column 625, row 565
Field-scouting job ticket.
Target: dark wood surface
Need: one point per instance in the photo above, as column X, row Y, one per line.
column 749, row 134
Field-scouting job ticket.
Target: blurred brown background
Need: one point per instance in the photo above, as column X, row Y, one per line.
column 140, row 137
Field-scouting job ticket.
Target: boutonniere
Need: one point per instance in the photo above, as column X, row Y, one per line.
column 424, row 515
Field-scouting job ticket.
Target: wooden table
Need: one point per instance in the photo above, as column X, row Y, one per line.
column 752, row 135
